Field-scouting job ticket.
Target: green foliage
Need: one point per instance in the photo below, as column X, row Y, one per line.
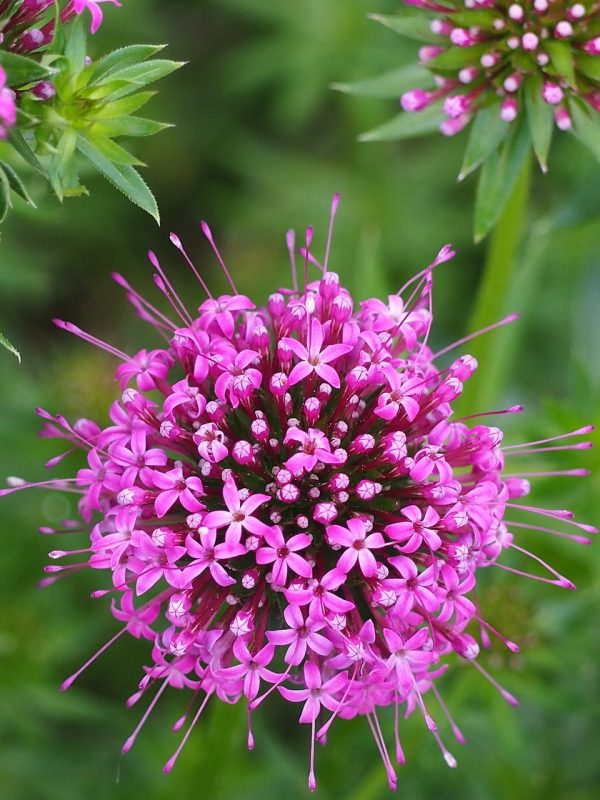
column 93, row 106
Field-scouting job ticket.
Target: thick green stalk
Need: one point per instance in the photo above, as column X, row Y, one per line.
column 491, row 349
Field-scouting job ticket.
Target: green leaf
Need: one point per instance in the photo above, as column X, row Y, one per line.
column 5, row 203
column 406, row 125
column 455, row 58
column 60, row 176
column 480, row 18
column 17, row 140
column 113, row 151
column 588, row 65
column 5, row 343
column 541, row 119
column 561, row 57
column 21, row 70
column 412, row 26
column 16, row 184
column 123, row 176
column 497, row 179
column 487, row 131
column 389, row 84
column 124, row 106
column 76, row 46
column 123, row 57
column 128, row 126
column 139, row 75
column 586, row 128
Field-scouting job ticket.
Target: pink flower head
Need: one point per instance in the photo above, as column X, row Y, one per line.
column 326, row 513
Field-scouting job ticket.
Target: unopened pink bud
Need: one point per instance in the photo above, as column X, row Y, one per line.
column 509, row 109
column 552, row 93
column 415, row 100
column 563, row 30
column 529, row 41
column 563, row 119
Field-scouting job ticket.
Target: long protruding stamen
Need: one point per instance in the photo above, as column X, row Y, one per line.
column 312, row 781
column 208, row 233
column 382, row 747
column 172, row 293
column 334, row 207
column 308, row 240
column 533, row 451
column 510, row 410
column 400, row 757
column 576, row 473
column 506, row 321
column 124, row 284
column 512, row 646
column 504, row 692
column 578, row 432
column 66, row 684
column 458, row 734
column 130, row 741
column 445, row 254
column 87, row 337
column 290, row 240
column 176, row 241
column 562, row 534
column 564, row 581
column 58, row 484
column 171, row 762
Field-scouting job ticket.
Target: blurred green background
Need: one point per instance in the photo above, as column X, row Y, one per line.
column 260, row 145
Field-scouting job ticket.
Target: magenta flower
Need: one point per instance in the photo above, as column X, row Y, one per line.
column 8, row 106
column 314, row 534
column 93, row 6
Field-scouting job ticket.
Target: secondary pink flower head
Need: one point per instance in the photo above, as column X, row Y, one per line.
column 486, row 54
column 283, row 505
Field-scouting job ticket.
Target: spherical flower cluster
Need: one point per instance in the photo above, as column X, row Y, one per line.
column 485, row 52
column 284, row 505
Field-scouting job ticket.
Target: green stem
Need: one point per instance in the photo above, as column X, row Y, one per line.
column 485, row 387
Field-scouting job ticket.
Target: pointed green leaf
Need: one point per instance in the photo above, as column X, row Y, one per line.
column 124, row 106
column 541, row 119
column 141, row 74
column 17, row 140
column 487, row 131
column 16, row 184
column 480, row 18
column 113, row 151
column 412, row 26
column 123, row 176
column 124, row 57
column 586, row 128
column 497, row 179
column 561, row 57
column 76, row 46
column 5, row 343
column 407, row 126
column 588, row 65
column 5, row 203
column 60, row 174
column 389, row 84
column 128, row 126
column 458, row 57
column 21, row 70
